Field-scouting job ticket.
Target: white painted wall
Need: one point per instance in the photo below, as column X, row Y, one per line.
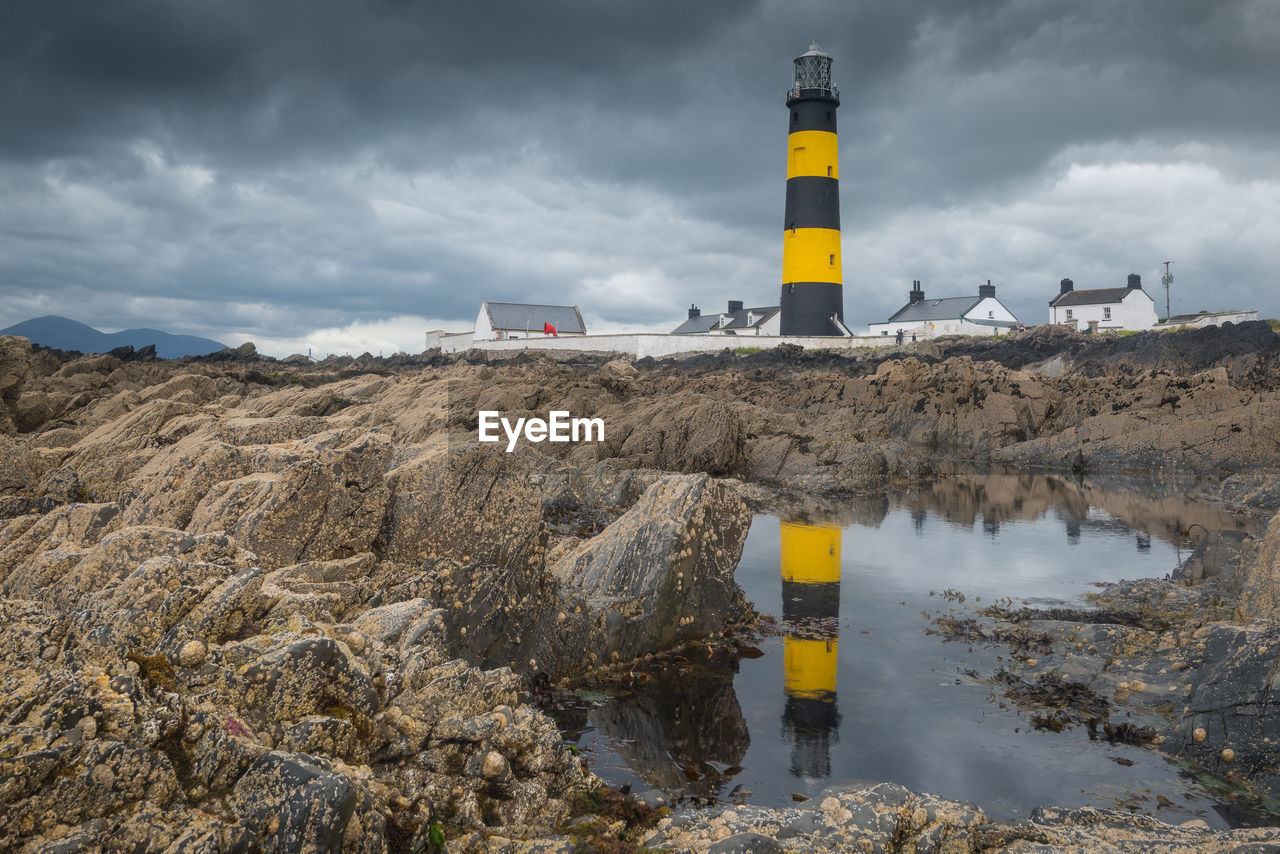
column 1137, row 310
column 989, row 309
column 1213, row 318
column 657, row 344
column 449, row 341
column 484, row 330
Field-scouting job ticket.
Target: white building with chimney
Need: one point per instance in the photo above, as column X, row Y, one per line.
column 929, row 318
column 1129, row 308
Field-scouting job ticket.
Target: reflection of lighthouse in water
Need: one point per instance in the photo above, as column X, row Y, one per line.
column 810, row 615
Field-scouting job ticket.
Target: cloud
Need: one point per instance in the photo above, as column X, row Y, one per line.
column 239, row 166
column 1098, row 214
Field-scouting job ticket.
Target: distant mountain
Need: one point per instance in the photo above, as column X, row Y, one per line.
column 65, row 334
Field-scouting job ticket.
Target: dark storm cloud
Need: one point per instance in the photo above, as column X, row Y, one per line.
column 274, row 168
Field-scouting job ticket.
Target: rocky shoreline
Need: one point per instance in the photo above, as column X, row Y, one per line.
column 252, row 604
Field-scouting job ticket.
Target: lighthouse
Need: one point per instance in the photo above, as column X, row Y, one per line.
column 812, row 289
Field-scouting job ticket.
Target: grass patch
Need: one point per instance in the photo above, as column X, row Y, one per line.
column 747, row 351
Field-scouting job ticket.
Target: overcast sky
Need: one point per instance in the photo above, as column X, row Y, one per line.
column 345, row 175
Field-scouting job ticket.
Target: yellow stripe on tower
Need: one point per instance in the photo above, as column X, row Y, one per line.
column 809, row 666
column 810, row 553
column 811, row 255
column 813, row 153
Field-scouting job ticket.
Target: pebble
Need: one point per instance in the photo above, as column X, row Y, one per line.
column 1228, row 755
column 494, row 765
column 192, row 654
column 1199, row 734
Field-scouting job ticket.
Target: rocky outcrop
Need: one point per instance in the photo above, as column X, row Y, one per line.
column 889, row 817
column 156, row 690
column 14, row 366
column 659, row 576
column 663, row 572
column 246, row 603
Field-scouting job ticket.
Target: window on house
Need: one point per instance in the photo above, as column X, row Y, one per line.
column 1068, row 314
column 991, row 315
column 1106, row 313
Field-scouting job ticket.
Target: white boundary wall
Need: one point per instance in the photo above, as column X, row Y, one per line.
column 641, row 344
column 1213, row 318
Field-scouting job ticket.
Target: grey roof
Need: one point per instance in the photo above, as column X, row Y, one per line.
column 934, row 309
column 1097, row 296
column 521, row 316
column 701, row 323
column 736, row 320
column 815, row 50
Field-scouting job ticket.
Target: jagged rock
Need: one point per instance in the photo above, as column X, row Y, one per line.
column 295, row 805
column 308, row 677
column 317, row 509
column 1259, row 577
column 678, row 435
column 475, row 504
column 663, row 572
column 1231, row 699
column 15, row 362
column 618, row 376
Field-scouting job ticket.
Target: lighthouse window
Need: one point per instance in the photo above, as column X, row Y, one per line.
column 828, row 171
column 831, row 259
column 795, row 117
column 828, row 115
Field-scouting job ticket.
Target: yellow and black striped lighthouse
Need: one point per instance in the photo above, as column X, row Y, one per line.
column 812, row 288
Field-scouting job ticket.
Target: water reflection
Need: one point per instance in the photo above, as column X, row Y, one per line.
column 810, row 562
column 890, row 702
column 675, row 727
column 1114, row 504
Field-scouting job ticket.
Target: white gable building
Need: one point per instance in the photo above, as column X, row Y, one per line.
column 499, row 321
column 929, row 318
column 1104, row 308
column 737, row 320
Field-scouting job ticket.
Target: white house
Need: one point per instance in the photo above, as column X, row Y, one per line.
column 737, row 320
column 503, row 320
column 928, row 318
column 1104, row 308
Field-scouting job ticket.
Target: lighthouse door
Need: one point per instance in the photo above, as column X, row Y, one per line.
column 797, row 160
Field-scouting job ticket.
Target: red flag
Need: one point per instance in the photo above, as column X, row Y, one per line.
column 548, row 329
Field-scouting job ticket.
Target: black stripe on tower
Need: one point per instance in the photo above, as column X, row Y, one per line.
column 808, row 306
column 812, row 112
column 813, row 201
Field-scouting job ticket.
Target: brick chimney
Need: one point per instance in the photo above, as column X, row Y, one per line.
column 916, row 294
column 735, row 305
column 1135, row 282
column 694, row 312
column 1066, row 286
column 987, row 290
